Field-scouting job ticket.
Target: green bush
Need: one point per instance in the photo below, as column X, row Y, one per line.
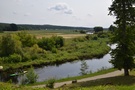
column 95, row 38
column 15, row 58
column 50, row 83
column 26, row 39
column 10, row 44
column 31, row 76
column 50, row 43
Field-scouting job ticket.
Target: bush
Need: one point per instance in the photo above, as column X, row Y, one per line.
column 50, row 43
column 46, row 43
column 79, row 39
column 95, row 38
column 15, row 58
column 27, row 39
column 50, row 83
column 31, row 76
column 10, row 44
column 59, row 41
column 82, row 32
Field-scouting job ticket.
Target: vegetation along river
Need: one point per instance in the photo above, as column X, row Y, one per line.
column 72, row 68
column 68, row 69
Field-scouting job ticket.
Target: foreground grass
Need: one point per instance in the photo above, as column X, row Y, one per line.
column 108, row 87
column 112, row 83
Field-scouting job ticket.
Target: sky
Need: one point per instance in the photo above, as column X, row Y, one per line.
column 85, row 13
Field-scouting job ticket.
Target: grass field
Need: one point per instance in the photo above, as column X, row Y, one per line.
column 48, row 33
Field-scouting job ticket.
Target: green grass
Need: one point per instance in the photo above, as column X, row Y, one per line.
column 112, row 83
column 108, row 87
column 100, row 72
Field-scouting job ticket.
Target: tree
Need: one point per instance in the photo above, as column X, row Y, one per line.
column 84, row 68
column 31, row 76
column 13, row 27
column 10, row 44
column 112, row 28
column 98, row 29
column 124, row 36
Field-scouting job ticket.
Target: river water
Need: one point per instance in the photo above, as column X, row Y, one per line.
column 73, row 68
column 67, row 69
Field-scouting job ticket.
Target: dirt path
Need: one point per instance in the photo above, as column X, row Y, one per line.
column 111, row 74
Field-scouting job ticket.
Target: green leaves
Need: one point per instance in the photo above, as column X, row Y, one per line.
column 124, row 35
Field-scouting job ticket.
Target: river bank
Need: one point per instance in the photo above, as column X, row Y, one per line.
column 71, row 51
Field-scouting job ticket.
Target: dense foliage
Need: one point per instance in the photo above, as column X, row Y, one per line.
column 98, row 29
column 26, row 50
column 22, row 47
column 124, row 36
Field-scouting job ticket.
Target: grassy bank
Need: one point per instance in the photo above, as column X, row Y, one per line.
column 99, row 72
column 112, row 83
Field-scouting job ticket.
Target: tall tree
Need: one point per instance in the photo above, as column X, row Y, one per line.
column 124, row 36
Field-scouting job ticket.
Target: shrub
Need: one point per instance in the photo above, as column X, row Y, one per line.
column 15, row 58
column 27, row 39
column 10, row 44
column 82, row 32
column 50, row 43
column 46, row 43
column 31, row 76
column 95, row 38
column 50, row 83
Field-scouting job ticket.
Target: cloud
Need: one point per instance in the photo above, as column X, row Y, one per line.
column 61, row 7
column 76, row 18
column 90, row 15
column 14, row 12
column 27, row 14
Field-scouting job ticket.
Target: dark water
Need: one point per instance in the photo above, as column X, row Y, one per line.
column 69, row 69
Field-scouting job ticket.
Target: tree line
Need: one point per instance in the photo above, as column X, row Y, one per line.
column 15, row 27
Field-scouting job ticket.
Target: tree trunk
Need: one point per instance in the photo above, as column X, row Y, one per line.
column 126, row 72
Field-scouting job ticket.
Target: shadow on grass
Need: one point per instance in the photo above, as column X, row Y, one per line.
column 119, row 80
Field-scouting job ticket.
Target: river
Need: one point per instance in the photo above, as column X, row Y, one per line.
column 73, row 68
column 70, row 69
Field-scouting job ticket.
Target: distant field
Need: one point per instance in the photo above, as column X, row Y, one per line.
column 48, row 33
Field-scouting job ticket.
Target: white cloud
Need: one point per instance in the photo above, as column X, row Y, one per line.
column 61, row 7
column 27, row 14
column 14, row 12
column 89, row 15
